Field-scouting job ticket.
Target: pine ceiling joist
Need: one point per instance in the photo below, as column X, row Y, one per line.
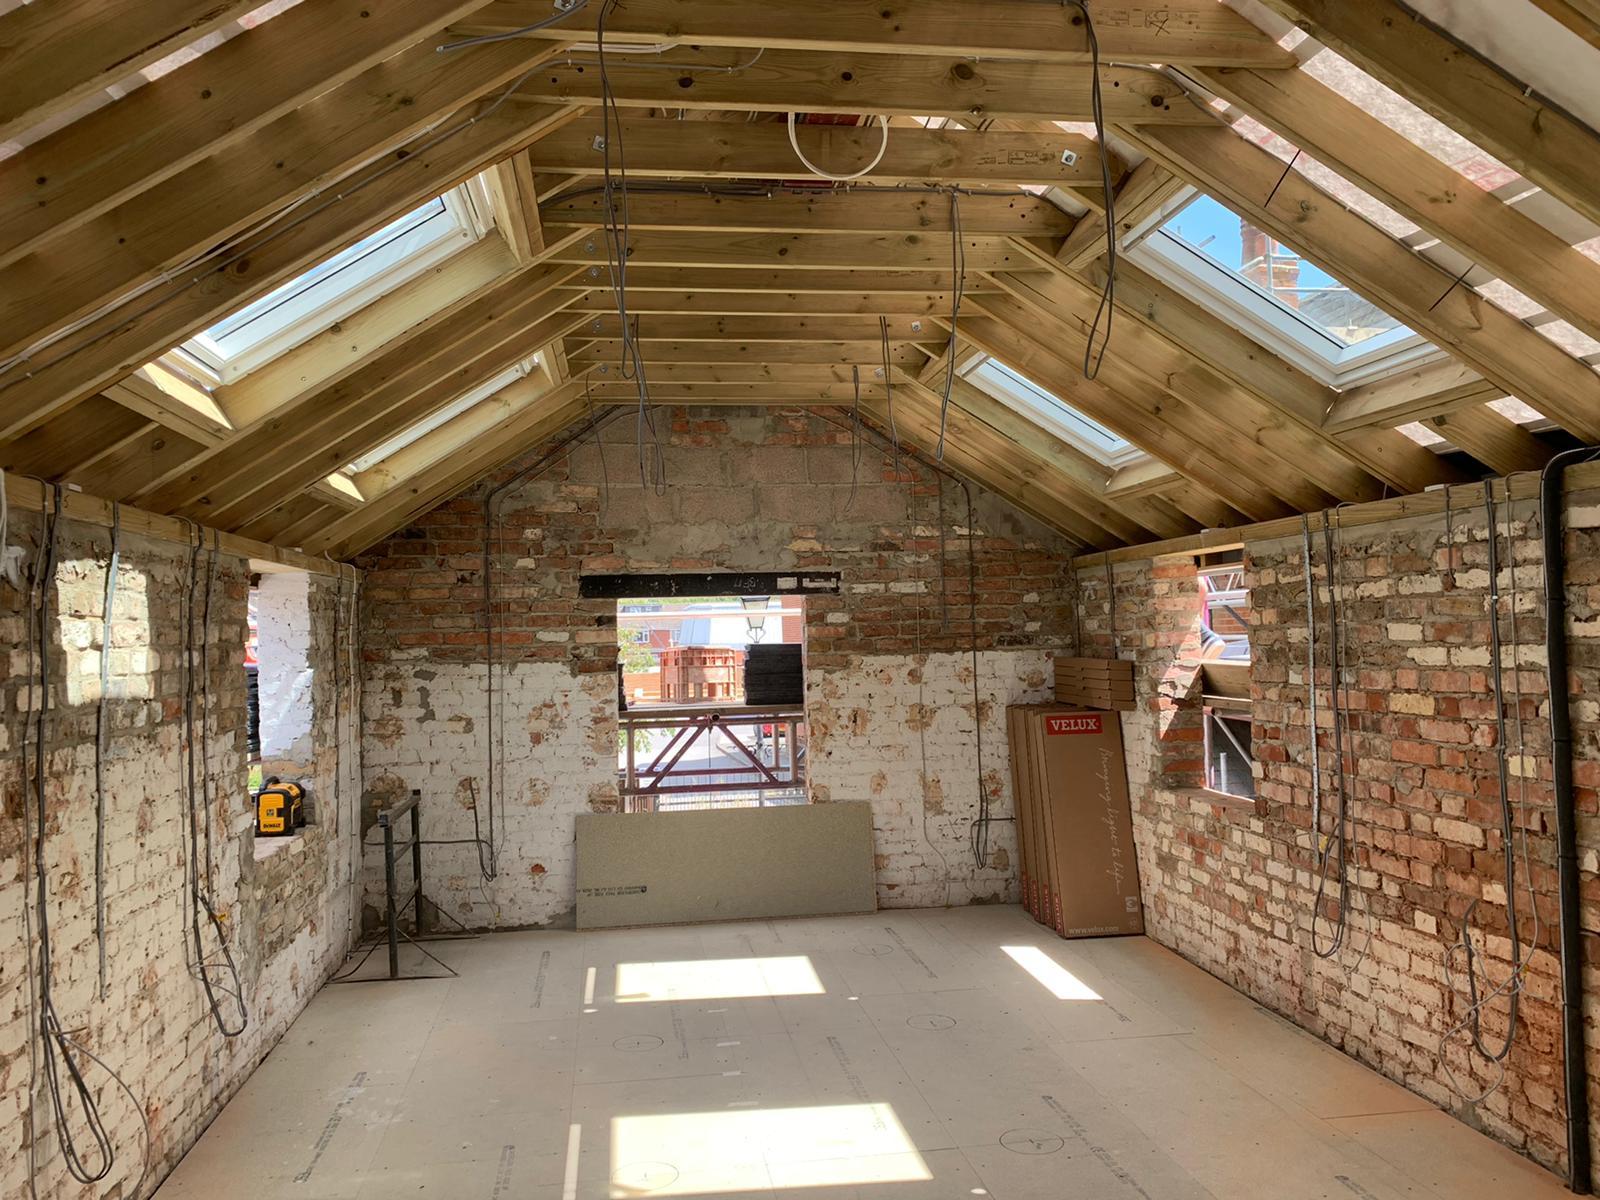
column 1147, row 187
column 215, row 101
column 788, row 281
column 188, row 215
column 1441, row 200
column 775, row 328
column 1258, row 186
column 606, row 353
column 1181, row 32
column 1582, row 17
column 796, row 251
column 755, row 303
column 1423, row 391
column 891, row 211
column 1494, row 440
column 887, row 84
column 109, row 348
column 660, row 147
column 55, row 55
column 516, row 205
column 1554, row 150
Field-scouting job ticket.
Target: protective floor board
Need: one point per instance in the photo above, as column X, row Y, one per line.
column 724, row 864
column 935, row 1055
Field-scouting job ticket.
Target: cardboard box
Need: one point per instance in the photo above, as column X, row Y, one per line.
column 1074, row 789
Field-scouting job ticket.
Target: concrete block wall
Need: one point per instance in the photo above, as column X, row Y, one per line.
column 287, row 915
column 1231, row 884
column 889, row 660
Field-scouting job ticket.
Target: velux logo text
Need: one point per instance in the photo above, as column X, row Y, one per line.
column 1075, row 723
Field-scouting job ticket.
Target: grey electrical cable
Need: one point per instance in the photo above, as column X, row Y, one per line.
column 564, row 9
column 855, row 436
column 100, row 734
column 1340, row 838
column 1311, row 680
column 958, row 276
column 888, row 388
column 1106, row 309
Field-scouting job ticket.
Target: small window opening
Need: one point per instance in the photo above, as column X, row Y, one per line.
column 711, row 703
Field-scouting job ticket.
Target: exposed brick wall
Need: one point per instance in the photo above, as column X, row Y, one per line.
column 889, row 659
column 1233, row 889
column 287, row 916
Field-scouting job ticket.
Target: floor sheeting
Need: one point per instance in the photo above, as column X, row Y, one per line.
column 914, row 1055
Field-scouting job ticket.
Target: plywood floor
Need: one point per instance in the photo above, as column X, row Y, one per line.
column 936, row 1055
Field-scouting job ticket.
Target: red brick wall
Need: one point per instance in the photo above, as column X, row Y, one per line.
column 767, row 491
column 1232, row 887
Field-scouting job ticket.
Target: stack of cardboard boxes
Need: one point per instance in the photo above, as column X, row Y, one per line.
column 1075, row 829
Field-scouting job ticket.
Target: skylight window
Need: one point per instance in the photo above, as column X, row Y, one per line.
column 1302, row 287
column 338, row 286
column 444, row 415
column 1050, row 412
column 1285, row 302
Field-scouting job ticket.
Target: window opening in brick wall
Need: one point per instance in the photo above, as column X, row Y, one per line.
column 280, row 678
column 711, row 702
column 1228, row 757
column 1225, row 676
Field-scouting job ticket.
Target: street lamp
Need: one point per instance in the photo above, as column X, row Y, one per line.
column 756, row 605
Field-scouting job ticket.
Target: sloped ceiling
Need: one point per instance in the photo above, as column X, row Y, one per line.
column 171, row 165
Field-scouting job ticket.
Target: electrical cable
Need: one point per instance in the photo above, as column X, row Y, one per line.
column 1311, row 679
column 1106, row 309
column 100, row 733
column 494, row 716
column 888, row 389
column 1326, row 844
column 1511, row 987
column 883, row 148
column 958, row 277
column 200, row 898
column 564, row 10
column 855, row 436
column 57, row 1046
column 616, row 232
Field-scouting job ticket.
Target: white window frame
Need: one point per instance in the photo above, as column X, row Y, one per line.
column 1263, row 317
column 344, row 283
column 437, row 420
column 1052, row 414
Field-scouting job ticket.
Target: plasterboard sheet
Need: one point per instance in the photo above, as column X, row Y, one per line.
column 724, row 865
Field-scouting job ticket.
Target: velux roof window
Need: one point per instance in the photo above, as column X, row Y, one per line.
column 1286, row 302
column 1047, row 410
column 338, row 286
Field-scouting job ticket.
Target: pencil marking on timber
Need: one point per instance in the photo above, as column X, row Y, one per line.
column 332, row 1127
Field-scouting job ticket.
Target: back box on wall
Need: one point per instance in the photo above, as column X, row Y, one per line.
column 1073, row 800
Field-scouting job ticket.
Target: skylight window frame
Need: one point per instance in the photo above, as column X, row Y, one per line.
column 1052, row 414
column 450, row 223
column 1263, row 317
